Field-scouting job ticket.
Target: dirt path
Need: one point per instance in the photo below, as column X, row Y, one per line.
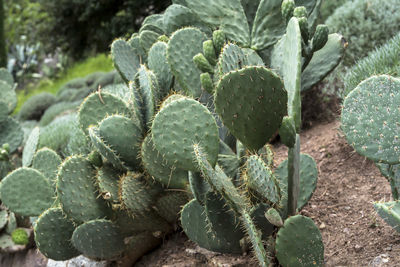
column 341, row 206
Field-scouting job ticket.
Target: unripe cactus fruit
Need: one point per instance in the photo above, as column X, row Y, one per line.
column 320, row 37
column 206, row 82
column 163, row 38
column 219, row 40
column 287, row 9
column 202, row 63
column 20, row 237
column 300, row 11
column 209, row 52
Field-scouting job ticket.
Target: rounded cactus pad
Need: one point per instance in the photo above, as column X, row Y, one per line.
column 390, row 212
column 299, row 243
column 26, row 192
column 30, row 147
column 108, row 183
column 77, row 192
column 47, row 161
column 53, row 232
column 126, row 61
column 183, row 46
column 181, row 124
column 158, row 168
column 370, row 119
column 169, row 205
column 8, row 96
column 232, row 58
column 251, row 103
column 11, row 133
column 136, row 196
column 159, row 65
column 123, row 136
column 99, row 105
column 98, row 239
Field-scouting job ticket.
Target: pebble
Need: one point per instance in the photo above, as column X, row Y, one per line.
column 379, row 261
column 357, row 248
column 322, row 226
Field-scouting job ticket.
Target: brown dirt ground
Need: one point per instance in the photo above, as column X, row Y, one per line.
column 353, row 234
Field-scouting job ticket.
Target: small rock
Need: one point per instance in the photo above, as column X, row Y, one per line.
column 388, row 248
column 357, row 248
column 322, row 226
column 379, row 261
column 346, row 231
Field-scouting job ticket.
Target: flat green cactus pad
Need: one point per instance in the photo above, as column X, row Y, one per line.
column 199, row 187
column 104, row 149
column 181, row 124
column 11, row 133
column 77, row 192
column 53, row 232
column 286, row 59
column 123, row 136
column 261, row 180
column 299, row 243
column 158, row 168
column 148, row 38
column 158, row 63
column 3, row 112
column 26, row 192
column 138, row 53
column 323, row 62
column 308, row 180
column 126, row 61
column 250, row 9
column 169, row 205
column 8, row 95
column 177, row 16
column 269, row 25
column 30, row 147
column 47, row 161
column 251, row 103
column 194, row 223
column 98, row 239
column 182, row 47
column 6, row 76
column 392, row 173
column 120, row 90
column 232, row 58
column 108, row 183
column 136, row 196
column 257, row 213
column 228, row 15
column 370, row 119
column 97, row 106
column 390, row 212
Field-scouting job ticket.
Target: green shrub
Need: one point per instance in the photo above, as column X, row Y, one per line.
column 365, row 24
column 35, row 106
column 90, row 25
column 384, row 60
column 328, row 7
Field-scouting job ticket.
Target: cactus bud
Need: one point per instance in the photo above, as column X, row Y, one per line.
column 219, row 40
column 320, row 37
column 202, row 63
column 303, row 24
column 287, row 131
column 95, row 159
column 300, row 11
column 287, row 9
column 206, row 82
column 209, row 52
column 273, row 217
column 20, row 237
column 163, row 38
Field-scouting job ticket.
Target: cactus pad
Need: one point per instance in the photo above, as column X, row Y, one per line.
column 169, row 205
column 26, row 192
column 11, row 133
column 183, row 46
column 299, row 243
column 390, row 212
column 30, row 147
column 158, row 63
column 232, row 58
column 97, row 106
column 108, row 183
column 256, row 104
column 159, row 169
column 98, row 239
column 198, row 186
column 370, row 119
column 257, row 213
column 181, row 124
column 53, row 232
column 125, row 59
column 123, row 136
column 3, row 218
column 77, row 192
column 47, row 161
column 147, row 39
column 8, row 95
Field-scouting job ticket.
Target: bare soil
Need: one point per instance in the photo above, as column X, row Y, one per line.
column 353, row 234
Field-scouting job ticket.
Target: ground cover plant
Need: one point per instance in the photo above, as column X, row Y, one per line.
column 171, row 131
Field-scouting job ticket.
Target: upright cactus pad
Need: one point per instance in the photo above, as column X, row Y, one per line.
column 30, row 147
column 232, row 58
column 125, row 59
column 251, row 103
column 26, row 192
column 108, row 183
column 98, row 239
column 299, row 243
column 77, row 192
column 47, row 161
column 370, row 119
column 53, row 232
column 8, row 96
column 159, row 65
column 390, row 212
column 11, row 133
column 183, row 46
column 181, row 124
